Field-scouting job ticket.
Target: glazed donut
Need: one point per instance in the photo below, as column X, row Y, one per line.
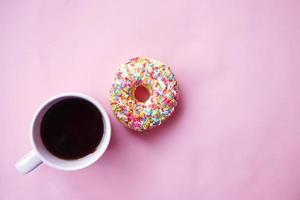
column 157, row 78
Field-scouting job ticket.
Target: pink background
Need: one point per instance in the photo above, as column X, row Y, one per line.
column 236, row 133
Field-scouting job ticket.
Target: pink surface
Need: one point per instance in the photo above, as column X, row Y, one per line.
column 236, row 133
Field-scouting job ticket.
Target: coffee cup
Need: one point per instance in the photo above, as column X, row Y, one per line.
column 69, row 132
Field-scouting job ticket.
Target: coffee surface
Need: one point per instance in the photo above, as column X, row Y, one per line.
column 72, row 128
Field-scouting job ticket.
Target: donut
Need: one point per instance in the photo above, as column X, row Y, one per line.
column 154, row 77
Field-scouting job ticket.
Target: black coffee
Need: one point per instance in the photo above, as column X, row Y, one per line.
column 72, row 128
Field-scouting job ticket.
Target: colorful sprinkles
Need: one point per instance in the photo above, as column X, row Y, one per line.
column 162, row 86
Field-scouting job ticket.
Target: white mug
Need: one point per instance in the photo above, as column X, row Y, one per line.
column 40, row 154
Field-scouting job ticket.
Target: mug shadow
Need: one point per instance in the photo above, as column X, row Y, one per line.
column 114, row 140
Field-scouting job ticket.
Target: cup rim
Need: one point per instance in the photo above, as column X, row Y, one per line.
column 101, row 148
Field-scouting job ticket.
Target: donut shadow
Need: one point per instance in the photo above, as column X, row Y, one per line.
column 166, row 127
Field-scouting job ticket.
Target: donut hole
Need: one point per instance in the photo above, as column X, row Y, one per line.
column 141, row 93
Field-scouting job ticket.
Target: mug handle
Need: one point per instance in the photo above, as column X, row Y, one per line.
column 28, row 162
